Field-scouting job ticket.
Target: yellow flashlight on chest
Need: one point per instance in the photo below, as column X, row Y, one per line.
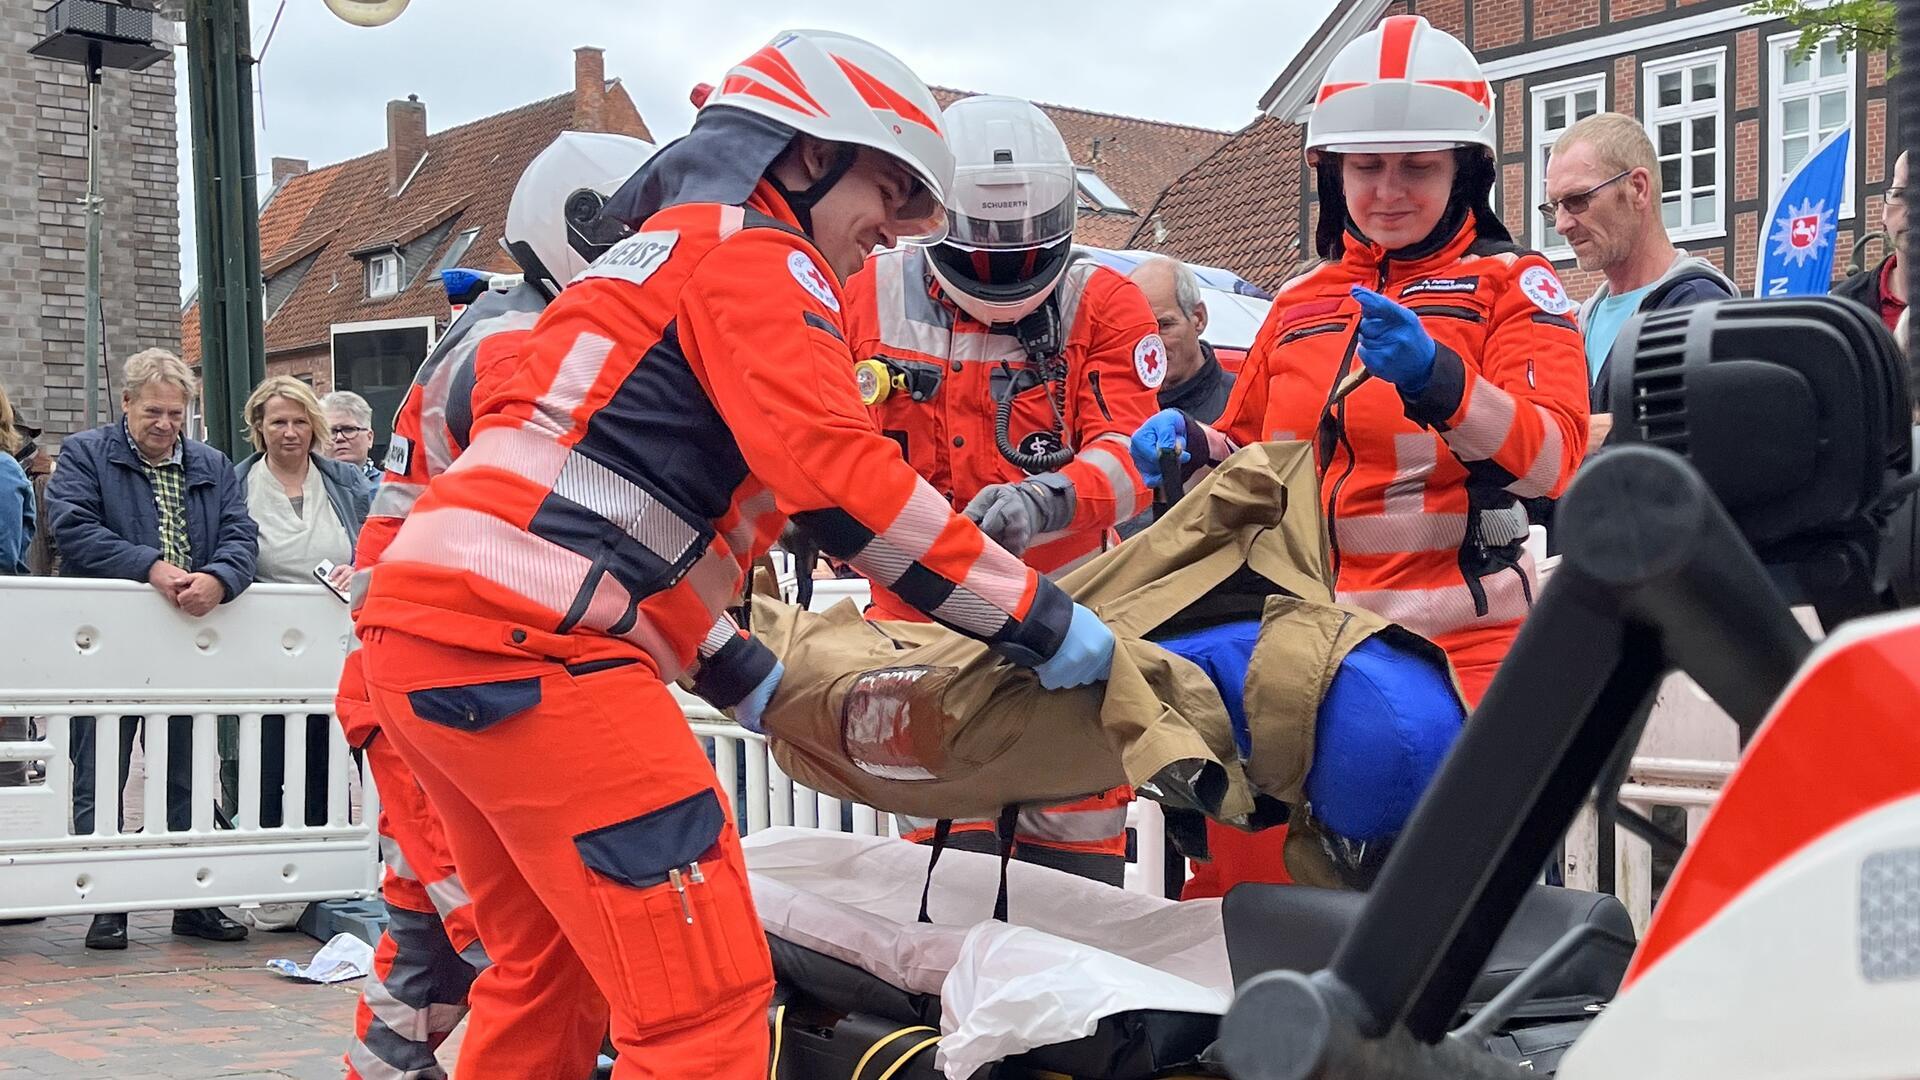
column 876, row 381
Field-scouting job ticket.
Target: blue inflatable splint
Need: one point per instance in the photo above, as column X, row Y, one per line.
column 1386, row 723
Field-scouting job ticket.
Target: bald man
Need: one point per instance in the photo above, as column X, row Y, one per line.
column 1196, row 383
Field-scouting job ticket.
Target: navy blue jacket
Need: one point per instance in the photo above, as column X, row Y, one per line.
column 105, row 523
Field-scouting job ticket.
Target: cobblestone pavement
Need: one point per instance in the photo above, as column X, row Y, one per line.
column 166, row 1007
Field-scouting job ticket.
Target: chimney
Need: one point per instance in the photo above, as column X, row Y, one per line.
column 406, row 139
column 589, row 89
column 286, row 168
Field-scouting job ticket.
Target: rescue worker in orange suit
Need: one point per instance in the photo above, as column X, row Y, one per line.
column 1012, row 374
column 1474, row 395
column 673, row 407
column 431, row 949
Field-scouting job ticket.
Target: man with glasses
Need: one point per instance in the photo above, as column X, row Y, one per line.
column 1884, row 288
column 350, row 422
column 1603, row 196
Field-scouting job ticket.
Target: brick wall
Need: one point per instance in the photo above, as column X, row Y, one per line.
column 1626, row 84
column 1551, row 17
column 1876, row 139
column 43, row 232
column 313, row 365
column 1746, row 69
column 1448, row 15
column 1498, row 23
column 1513, row 118
column 1621, row 10
column 1746, row 160
column 1746, row 261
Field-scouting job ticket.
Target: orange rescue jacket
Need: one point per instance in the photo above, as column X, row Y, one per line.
column 959, row 370
column 670, row 410
column 1421, row 493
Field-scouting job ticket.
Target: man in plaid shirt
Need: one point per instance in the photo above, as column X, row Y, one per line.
column 136, row 499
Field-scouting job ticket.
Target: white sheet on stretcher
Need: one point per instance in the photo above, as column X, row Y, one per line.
column 1073, row 951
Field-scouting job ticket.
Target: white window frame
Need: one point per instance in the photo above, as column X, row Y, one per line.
column 1653, row 115
column 376, row 290
column 1779, row 46
column 426, row 322
column 1540, row 141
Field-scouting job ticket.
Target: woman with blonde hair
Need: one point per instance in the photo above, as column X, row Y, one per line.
column 16, row 497
column 309, row 509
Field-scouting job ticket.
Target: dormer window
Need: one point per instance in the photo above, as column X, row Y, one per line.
column 1098, row 195
column 383, row 275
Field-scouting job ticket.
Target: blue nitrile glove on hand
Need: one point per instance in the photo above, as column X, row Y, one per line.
column 1393, row 344
column 753, row 708
column 1085, row 655
column 1164, row 430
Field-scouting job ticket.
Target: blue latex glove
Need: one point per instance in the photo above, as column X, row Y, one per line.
column 1393, row 344
column 1164, row 430
column 753, row 707
column 1085, row 655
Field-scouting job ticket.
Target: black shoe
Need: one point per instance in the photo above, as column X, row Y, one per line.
column 107, row 932
column 207, row 923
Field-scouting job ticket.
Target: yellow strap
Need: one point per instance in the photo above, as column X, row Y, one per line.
column 779, row 1021
column 881, row 1043
column 908, row 1056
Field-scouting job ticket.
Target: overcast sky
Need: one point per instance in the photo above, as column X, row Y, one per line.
column 324, row 84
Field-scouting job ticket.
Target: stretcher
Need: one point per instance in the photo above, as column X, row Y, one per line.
column 1084, row 980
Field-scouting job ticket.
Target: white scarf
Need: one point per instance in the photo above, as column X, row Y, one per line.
column 291, row 544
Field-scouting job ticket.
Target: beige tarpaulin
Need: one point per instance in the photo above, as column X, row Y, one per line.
column 915, row 719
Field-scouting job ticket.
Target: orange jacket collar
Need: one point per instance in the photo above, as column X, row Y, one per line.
column 1363, row 257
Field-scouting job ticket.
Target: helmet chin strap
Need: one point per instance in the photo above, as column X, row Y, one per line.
column 802, row 202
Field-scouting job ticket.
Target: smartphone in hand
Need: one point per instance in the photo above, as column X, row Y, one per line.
column 323, row 572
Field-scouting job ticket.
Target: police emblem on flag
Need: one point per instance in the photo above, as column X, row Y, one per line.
column 1802, row 231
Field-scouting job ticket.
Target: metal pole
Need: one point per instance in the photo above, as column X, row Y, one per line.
column 93, row 209
column 233, row 352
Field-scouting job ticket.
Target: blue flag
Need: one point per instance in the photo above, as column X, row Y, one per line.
column 1796, row 243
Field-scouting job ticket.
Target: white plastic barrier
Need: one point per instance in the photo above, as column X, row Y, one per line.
column 116, row 651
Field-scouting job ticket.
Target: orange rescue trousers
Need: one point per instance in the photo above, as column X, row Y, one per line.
column 601, row 855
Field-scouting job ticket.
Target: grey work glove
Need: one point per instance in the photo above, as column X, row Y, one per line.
column 1013, row 514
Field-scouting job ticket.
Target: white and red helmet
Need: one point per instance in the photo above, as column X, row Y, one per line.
column 1402, row 87
column 842, row 89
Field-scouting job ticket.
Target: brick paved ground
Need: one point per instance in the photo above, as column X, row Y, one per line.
column 166, row 1007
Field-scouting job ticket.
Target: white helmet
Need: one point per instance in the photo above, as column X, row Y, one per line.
column 1011, row 211
column 554, row 224
column 842, row 89
column 1402, row 87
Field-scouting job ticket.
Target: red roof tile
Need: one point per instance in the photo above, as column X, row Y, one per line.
column 334, row 212
column 1137, row 158
column 1238, row 209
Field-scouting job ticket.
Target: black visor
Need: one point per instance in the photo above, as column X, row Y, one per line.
column 1002, row 277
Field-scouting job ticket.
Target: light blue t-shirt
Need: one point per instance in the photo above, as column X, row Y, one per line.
column 1609, row 315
